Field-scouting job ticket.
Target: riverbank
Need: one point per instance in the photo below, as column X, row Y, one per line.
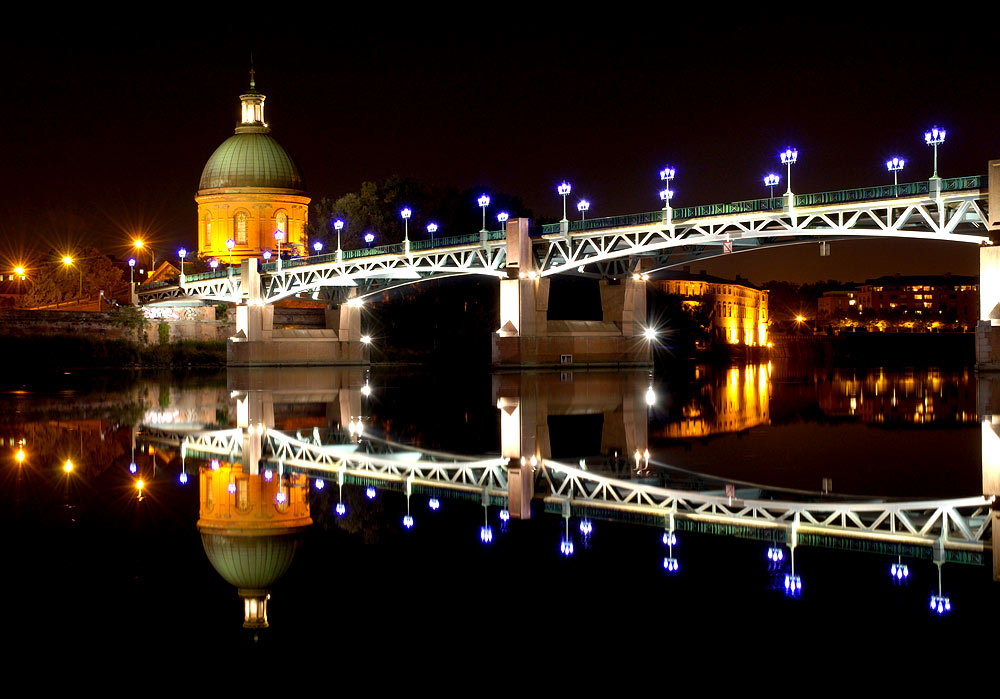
column 79, row 351
column 877, row 349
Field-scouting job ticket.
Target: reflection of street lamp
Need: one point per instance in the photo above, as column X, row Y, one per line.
column 935, row 137
column 772, row 181
column 484, row 201
column 68, row 261
column 789, row 157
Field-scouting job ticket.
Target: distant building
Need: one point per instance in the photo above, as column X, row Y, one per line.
column 738, row 308
column 949, row 297
column 837, row 303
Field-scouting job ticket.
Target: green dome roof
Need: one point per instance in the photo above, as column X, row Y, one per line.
column 251, row 159
column 251, row 562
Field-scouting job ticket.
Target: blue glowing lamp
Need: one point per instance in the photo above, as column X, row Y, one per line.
column 268, row 475
column 586, row 527
column 320, row 484
column 340, row 509
column 669, row 539
column 408, row 522
column 789, row 156
column 566, row 546
column 183, row 478
column 132, row 467
column 504, row 515
column 486, row 534
column 370, row 492
column 671, row 565
column 434, row 504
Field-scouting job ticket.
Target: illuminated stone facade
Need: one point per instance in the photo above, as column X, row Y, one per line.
column 251, row 190
column 738, row 308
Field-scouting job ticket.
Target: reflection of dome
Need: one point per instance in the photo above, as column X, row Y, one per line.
column 251, row 160
column 251, row 562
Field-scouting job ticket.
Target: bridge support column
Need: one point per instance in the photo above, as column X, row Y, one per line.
column 988, row 404
column 258, row 343
column 526, row 337
column 988, row 328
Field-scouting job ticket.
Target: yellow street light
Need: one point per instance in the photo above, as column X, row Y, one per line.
column 68, row 466
column 19, row 456
column 68, row 261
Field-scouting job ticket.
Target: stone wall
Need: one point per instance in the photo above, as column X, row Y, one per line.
column 14, row 323
column 187, row 323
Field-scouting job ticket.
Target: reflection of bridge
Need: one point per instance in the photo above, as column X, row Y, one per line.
column 947, row 529
column 617, row 250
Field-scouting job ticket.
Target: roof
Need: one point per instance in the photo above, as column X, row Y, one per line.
column 251, row 159
column 688, row 276
column 922, row 280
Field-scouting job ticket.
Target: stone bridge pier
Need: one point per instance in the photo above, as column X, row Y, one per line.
column 258, row 343
column 526, row 401
column 527, row 338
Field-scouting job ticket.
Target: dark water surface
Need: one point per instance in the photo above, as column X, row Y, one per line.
column 93, row 565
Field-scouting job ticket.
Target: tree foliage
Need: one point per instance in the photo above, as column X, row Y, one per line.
column 55, row 281
column 376, row 207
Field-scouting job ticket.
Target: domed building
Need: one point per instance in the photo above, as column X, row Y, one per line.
column 251, row 191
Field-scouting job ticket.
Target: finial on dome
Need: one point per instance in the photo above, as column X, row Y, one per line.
column 253, row 86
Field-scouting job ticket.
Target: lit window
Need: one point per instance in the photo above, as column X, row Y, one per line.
column 281, row 223
column 241, row 228
column 242, row 494
column 208, row 229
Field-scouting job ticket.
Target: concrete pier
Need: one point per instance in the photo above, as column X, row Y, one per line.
column 258, row 343
column 526, row 338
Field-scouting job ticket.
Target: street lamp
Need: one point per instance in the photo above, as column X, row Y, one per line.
column 502, row 218
column 935, row 137
column 139, row 245
column 68, row 261
column 214, row 264
column 894, row 166
column 788, row 157
column 230, row 244
column 564, row 189
column 279, row 235
column 131, row 270
column 338, row 226
column 266, row 255
column 484, row 201
column 772, row 181
column 406, row 213
column 583, row 207
column 318, row 247
column 182, row 253
column 369, row 239
column 432, row 229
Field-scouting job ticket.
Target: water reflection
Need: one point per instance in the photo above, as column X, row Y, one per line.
column 274, row 451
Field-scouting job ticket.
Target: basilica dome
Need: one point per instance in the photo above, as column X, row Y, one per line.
column 252, row 197
column 251, row 160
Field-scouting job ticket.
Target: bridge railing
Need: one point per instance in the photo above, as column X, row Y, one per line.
column 843, row 196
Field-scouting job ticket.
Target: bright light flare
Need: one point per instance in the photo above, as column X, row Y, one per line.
column 68, row 466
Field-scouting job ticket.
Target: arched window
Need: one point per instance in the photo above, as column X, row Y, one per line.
column 281, row 224
column 241, row 228
column 208, row 230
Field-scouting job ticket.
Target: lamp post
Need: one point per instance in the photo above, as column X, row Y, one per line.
column 338, row 225
column 266, row 255
column 279, row 235
column 564, row 189
column 502, row 218
column 789, row 157
column 583, row 207
column 139, row 245
column 432, row 229
column 894, row 166
column 182, row 253
column 318, row 247
column 131, row 271
column 772, row 181
column 369, row 239
column 214, row 264
column 935, row 137
column 666, row 175
column 484, row 201
column 406, row 213
column 68, row 261
column 230, row 244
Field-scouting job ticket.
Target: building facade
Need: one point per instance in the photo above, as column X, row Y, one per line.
column 738, row 308
column 948, row 298
column 251, row 192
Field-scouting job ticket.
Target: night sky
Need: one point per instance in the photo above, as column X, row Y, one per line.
column 105, row 133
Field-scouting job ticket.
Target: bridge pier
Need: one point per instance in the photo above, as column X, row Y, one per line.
column 527, row 338
column 258, row 343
